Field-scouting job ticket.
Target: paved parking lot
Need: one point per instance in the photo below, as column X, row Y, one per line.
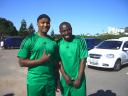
column 12, row 76
column 99, row 82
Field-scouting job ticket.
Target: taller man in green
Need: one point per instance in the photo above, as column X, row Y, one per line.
column 73, row 54
column 38, row 52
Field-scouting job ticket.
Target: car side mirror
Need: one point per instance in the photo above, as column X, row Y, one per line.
column 125, row 49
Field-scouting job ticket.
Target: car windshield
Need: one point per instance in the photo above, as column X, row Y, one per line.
column 109, row 45
column 91, row 42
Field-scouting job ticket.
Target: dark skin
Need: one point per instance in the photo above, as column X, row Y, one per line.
column 66, row 33
column 43, row 28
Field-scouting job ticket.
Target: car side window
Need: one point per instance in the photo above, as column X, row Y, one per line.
column 125, row 44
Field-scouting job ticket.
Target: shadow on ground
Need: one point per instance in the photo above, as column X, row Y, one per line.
column 9, row 94
column 103, row 93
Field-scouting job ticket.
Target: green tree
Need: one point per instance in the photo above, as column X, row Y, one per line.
column 31, row 29
column 7, row 28
column 23, row 28
column 126, row 29
column 52, row 33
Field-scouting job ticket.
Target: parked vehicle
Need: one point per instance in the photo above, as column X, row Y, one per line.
column 12, row 42
column 112, row 53
column 92, row 42
column 1, row 44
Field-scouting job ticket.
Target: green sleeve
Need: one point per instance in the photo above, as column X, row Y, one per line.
column 83, row 49
column 24, row 48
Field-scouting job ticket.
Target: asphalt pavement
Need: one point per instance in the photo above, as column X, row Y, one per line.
column 100, row 82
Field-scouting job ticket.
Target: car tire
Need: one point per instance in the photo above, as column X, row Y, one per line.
column 117, row 65
column 5, row 47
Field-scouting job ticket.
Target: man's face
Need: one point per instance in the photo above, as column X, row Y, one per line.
column 66, row 32
column 43, row 25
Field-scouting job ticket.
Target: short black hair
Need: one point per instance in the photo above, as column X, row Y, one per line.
column 43, row 16
column 65, row 23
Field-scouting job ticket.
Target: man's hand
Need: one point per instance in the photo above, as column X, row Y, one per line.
column 67, row 79
column 45, row 57
column 58, row 86
column 76, row 83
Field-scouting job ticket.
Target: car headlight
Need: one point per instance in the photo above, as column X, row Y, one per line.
column 110, row 55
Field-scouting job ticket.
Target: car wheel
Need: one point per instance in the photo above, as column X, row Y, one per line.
column 5, row 47
column 117, row 65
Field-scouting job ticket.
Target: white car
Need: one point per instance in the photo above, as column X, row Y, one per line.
column 111, row 53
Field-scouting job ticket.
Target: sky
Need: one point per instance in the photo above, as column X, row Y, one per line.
column 85, row 16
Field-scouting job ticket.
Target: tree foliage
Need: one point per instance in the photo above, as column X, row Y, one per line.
column 23, row 28
column 31, row 29
column 126, row 29
column 107, row 36
column 24, row 31
column 7, row 28
column 52, row 33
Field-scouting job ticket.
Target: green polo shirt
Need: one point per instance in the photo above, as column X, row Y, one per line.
column 71, row 54
column 32, row 48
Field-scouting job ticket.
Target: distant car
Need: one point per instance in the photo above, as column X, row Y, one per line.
column 12, row 42
column 111, row 53
column 92, row 42
column 1, row 44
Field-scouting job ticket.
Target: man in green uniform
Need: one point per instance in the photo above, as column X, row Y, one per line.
column 73, row 54
column 38, row 52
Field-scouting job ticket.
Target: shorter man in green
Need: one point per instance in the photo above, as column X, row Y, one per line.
column 73, row 54
column 38, row 52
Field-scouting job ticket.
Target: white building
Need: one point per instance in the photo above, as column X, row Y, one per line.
column 114, row 30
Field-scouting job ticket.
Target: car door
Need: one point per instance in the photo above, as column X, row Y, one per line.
column 125, row 52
